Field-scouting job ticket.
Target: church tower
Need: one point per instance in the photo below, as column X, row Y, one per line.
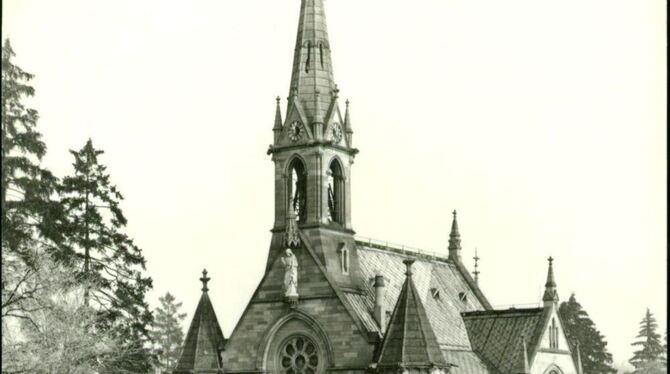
column 313, row 153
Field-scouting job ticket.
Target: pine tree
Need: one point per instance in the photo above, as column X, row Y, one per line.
column 103, row 255
column 167, row 334
column 579, row 327
column 650, row 341
column 26, row 187
column 31, row 217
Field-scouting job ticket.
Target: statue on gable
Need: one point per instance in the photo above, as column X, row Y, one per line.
column 290, row 263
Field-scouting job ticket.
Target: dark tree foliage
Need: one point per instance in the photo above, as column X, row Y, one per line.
column 167, row 333
column 580, row 328
column 31, row 217
column 28, row 209
column 649, row 342
column 104, row 256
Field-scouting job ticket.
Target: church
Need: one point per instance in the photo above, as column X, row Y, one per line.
column 331, row 302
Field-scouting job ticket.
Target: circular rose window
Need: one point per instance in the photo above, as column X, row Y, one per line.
column 299, row 355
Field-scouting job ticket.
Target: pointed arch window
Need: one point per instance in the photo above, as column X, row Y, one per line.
column 297, row 189
column 335, row 193
column 553, row 334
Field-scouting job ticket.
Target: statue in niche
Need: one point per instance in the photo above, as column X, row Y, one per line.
column 290, row 263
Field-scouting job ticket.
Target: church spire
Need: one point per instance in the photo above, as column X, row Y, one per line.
column 454, row 241
column 312, row 67
column 550, row 295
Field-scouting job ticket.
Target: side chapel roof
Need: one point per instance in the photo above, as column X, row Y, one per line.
column 200, row 353
column 498, row 336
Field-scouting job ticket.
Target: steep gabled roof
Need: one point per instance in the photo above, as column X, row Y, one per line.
column 498, row 336
column 410, row 340
column 200, row 353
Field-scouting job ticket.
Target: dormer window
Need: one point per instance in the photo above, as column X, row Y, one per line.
column 436, row 293
column 463, row 296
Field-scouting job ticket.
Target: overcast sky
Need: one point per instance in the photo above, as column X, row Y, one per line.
column 542, row 122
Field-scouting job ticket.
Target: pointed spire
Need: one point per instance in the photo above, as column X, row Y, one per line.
column 278, row 120
column 409, row 341
column 312, row 67
column 204, row 340
column 347, row 118
column 454, row 240
column 550, row 294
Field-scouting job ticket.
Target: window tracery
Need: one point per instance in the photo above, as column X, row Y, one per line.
column 299, row 355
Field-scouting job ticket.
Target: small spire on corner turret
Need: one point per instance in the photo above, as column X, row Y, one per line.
column 550, row 294
column 278, row 120
column 454, row 240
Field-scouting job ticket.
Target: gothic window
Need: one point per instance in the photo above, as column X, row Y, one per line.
column 335, row 193
column 299, row 355
column 297, row 189
column 553, row 334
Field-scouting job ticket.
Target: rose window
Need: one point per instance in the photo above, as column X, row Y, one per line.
column 299, row 356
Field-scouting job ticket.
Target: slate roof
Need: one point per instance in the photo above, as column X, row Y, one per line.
column 203, row 341
column 497, row 336
column 431, row 273
column 410, row 340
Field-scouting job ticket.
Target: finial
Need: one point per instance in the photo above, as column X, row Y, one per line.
column 204, row 279
column 408, row 262
column 336, row 92
column 454, row 213
column 476, row 272
column 347, row 102
column 278, row 100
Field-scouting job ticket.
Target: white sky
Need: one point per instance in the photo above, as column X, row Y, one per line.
column 542, row 122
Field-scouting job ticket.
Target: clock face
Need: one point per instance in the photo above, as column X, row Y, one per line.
column 337, row 132
column 295, row 131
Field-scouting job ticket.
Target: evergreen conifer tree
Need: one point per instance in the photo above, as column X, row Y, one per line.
column 651, row 350
column 167, row 331
column 104, row 256
column 28, row 210
column 578, row 326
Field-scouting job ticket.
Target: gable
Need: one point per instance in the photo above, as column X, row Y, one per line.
column 545, row 342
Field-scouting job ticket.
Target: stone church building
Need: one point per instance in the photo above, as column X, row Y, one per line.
column 329, row 302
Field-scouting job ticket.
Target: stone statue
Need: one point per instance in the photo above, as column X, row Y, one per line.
column 291, row 273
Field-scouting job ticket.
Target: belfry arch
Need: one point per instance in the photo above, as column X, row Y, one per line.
column 335, row 192
column 297, row 189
